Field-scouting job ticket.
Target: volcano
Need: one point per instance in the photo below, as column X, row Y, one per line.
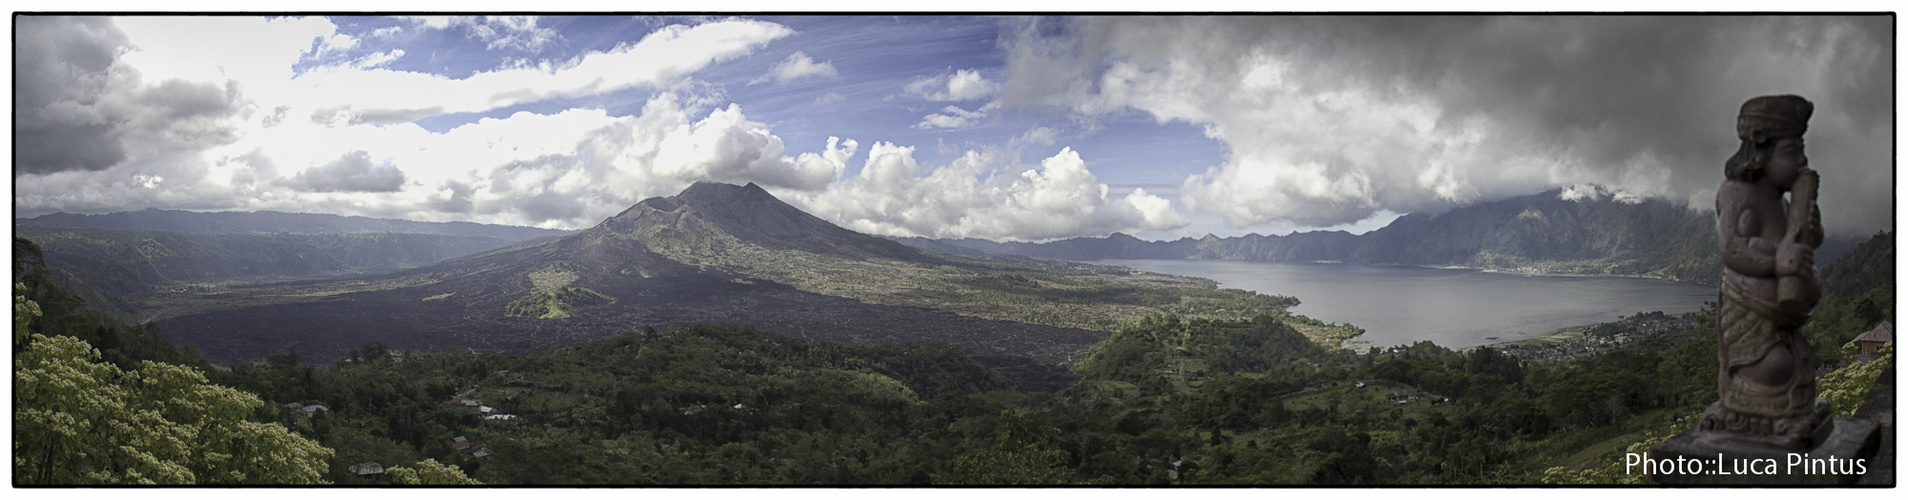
column 715, row 253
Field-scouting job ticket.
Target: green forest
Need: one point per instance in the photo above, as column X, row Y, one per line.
column 1166, row 400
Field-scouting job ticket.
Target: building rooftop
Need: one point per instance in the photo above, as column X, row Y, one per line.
column 1883, row 332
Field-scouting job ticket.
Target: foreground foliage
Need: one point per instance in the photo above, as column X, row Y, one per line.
column 80, row 421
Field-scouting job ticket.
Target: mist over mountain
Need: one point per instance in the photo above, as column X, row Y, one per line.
column 1539, row 234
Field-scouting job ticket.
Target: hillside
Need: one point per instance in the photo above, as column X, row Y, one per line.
column 128, row 255
column 1535, row 234
column 713, row 254
column 1858, row 292
column 130, row 264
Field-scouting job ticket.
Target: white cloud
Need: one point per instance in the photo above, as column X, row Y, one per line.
column 798, row 66
column 656, row 60
column 514, row 32
column 353, row 172
column 177, row 120
column 980, row 195
column 952, row 117
column 497, row 32
column 387, row 33
column 726, row 146
column 376, row 59
column 430, row 22
column 962, row 85
column 1038, row 135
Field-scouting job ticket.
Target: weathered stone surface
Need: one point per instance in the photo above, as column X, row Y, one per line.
column 1768, row 427
column 1843, row 456
column 1880, row 408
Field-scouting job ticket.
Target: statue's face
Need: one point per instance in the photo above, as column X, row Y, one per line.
column 1786, row 162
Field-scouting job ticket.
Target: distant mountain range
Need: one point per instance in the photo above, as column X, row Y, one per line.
column 132, row 253
column 1535, row 234
column 180, row 221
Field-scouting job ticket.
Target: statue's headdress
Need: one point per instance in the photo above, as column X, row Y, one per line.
column 1762, row 120
column 1774, row 117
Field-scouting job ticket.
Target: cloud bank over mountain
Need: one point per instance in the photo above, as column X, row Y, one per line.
column 1329, row 120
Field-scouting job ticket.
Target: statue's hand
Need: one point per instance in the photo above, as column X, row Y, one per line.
column 1792, row 259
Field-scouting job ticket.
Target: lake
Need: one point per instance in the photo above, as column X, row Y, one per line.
column 1455, row 308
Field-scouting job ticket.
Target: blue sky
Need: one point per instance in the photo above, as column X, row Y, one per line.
column 1004, row 128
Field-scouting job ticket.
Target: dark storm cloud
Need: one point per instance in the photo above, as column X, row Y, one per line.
column 352, row 172
column 1642, row 103
column 76, row 109
column 1616, row 86
column 62, row 60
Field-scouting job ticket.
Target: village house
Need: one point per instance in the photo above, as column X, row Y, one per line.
column 367, row 469
column 309, row 407
column 1872, row 341
column 473, row 405
column 517, row 377
column 472, row 448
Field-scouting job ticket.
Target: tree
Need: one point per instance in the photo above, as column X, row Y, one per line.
column 81, row 421
column 429, row 473
column 1019, row 456
column 1847, row 388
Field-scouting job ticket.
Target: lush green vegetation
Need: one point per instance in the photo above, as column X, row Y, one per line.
column 80, row 421
column 66, row 314
column 1167, row 399
column 554, row 303
column 1858, row 292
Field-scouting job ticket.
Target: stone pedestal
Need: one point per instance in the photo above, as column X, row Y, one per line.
column 1844, row 450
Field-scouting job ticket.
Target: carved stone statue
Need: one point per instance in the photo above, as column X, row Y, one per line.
column 1768, row 413
column 1769, row 282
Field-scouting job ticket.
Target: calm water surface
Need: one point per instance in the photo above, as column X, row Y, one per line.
column 1455, row 308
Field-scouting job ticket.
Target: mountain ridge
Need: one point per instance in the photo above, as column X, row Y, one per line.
column 188, row 222
column 1532, row 234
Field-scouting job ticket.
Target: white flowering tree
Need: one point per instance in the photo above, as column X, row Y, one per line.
column 79, row 421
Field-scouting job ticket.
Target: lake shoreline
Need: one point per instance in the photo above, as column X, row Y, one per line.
column 1456, row 307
